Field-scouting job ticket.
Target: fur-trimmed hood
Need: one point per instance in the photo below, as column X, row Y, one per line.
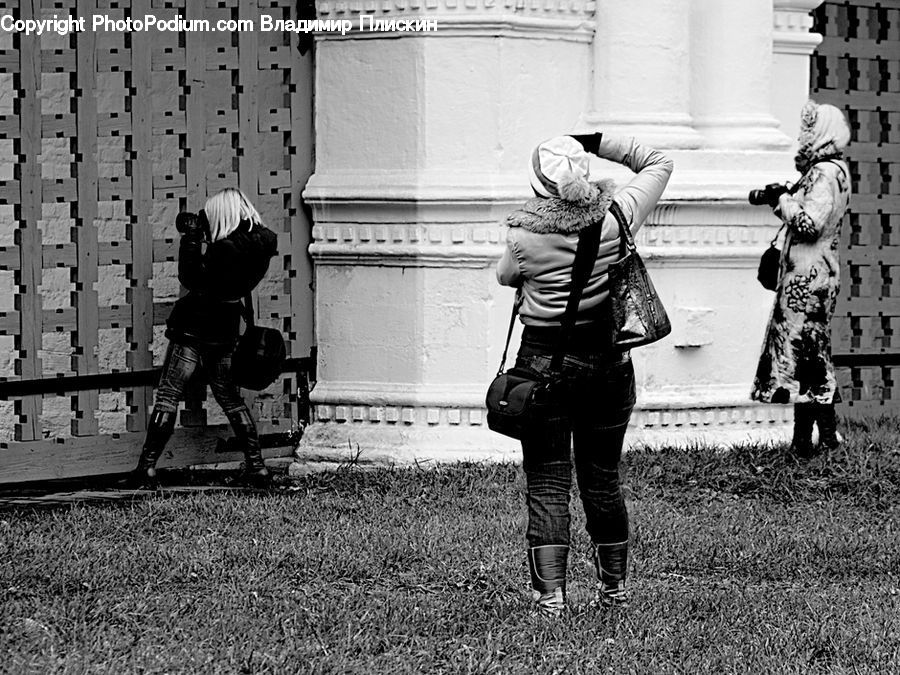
column 579, row 205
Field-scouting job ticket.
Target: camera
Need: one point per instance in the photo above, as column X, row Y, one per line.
column 193, row 224
column 768, row 195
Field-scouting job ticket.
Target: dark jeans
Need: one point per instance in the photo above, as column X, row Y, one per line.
column 182, row 361
column 594, row 411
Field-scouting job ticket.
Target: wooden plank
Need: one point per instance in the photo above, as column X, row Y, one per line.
column 85, row 338
column 195, row 112
column 862, row 99
column 862, row 48
column 115, row 453
column 113, row 124
column 165, row 250
column 59, row 190
column 874, row 152
column 139, row 230
column 66, row 255
column 871, row 255
column 873, row 203
column 9, row 258
column 66, row 319
column 9, row 126
column 114, row 253
column 114, row 188
column 248, row 104
column 299, row 323
column 59, row 126
column 194, row 93
column 27, row 363
column 9, row 323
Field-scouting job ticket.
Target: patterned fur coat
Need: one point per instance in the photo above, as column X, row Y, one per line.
column 795, row 365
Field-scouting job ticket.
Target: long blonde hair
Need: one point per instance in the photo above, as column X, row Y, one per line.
column 226, row 209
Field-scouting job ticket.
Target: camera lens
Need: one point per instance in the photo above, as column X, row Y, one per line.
column 757, row 197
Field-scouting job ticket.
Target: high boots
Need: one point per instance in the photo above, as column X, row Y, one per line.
column 255, row 472
column 804, row 418
column 611, row 561
column 826, row 420
column 159, row 431
column 547, row 565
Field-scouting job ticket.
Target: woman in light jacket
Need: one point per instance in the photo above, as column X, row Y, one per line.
column 204, row 325
column 795, row 365
column 541, row 242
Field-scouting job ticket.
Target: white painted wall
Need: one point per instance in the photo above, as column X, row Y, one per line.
column 422, row 140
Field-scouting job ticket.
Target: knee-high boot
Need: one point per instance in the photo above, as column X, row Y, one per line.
column 159, row 431
column 826, row 420
column 547, row 565
column 611, row 561
column 804, row 418
column 255, row 471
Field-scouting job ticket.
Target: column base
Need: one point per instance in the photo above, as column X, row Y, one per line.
column 743, row 132
column 659, row 130
column 389, row 435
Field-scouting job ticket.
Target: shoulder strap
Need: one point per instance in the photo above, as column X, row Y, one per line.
column 509, row 332
column 582, row 266
column 248, row 311
column 834, row 160
column 626, row 239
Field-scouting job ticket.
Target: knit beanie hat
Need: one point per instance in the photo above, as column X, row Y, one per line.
column 559, row 160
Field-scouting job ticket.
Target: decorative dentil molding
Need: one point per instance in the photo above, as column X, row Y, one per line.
column 339, row 9
column 570, row 20
column 727, row 235
column 745, row 415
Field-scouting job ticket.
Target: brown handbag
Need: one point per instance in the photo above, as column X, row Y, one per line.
column 638, row 315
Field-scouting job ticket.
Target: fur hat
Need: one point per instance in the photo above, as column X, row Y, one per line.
column 560, row 167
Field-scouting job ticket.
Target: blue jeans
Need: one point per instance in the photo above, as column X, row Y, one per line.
column 181, row 363
column 594, row 411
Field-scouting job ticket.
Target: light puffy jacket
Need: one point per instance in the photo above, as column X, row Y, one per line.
column 543, row 234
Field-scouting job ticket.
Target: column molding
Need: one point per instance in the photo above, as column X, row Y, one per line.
column 792, row 45
column 641, row 73
column 569, row 20
column 792, row 24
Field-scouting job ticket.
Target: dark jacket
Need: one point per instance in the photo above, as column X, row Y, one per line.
column 216, row 281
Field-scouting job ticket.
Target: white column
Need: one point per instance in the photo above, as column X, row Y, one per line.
column 731, row 66
column 642, row 81
column 792, row 45
column 422, row 144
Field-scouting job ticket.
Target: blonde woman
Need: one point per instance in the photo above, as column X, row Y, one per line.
column 204, row 325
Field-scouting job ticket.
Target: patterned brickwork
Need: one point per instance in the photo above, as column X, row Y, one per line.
column 110, row 134
column 857, row 68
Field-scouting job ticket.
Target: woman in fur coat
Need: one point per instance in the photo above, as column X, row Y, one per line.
column 796, row 366
column 598, row 381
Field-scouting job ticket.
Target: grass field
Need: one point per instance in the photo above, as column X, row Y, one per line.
column 744, row 562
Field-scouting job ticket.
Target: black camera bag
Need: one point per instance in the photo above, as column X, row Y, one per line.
column 260, row 354
column 518, row 399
